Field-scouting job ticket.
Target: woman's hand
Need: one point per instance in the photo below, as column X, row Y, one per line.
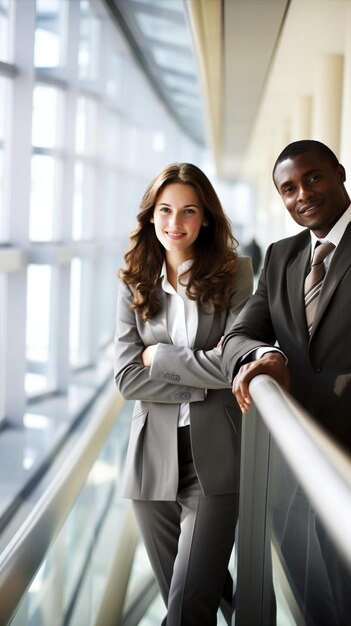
column 147, row 356
column 220, row 343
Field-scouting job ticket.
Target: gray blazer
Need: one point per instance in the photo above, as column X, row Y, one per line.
column 179, row 374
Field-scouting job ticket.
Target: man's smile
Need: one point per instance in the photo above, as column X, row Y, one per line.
column 309, row 208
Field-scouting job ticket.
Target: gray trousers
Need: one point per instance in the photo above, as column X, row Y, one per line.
column 189, row 543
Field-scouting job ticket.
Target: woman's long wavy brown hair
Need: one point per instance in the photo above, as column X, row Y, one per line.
column 212, row 274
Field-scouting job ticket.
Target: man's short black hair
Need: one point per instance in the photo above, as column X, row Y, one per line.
column 306, row 145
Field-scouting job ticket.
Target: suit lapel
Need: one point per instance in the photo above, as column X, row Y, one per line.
column 158, row 324
column 296, row 273
column 205, row 320
column 340, row 263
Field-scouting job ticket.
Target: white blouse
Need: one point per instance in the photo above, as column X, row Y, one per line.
column 182, row 321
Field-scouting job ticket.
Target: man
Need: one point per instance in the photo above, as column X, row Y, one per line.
column 303, row 340
column 315, row 366
column 253, row 250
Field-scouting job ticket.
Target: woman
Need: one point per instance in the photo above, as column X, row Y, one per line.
column 182, row 286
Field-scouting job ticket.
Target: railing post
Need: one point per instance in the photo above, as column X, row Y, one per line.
column 254, row 595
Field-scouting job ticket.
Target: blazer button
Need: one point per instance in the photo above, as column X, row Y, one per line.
column 171, row 376
column 317, row 370
column 183, row 395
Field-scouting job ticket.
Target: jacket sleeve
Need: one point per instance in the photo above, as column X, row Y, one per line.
column 202, row 368
column 132, row 378
column 252, row 328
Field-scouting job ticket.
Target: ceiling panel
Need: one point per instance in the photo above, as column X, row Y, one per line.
column 159, row 33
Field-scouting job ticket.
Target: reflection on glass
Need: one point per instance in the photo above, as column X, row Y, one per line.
column 49, row 34
column 311, row 581
column 6, row 25
column 89, row 43
column 44, row 198
column 72, row 578
column 79, row 536
column 45, row 131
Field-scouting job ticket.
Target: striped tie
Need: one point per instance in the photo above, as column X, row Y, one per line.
column 314, row 280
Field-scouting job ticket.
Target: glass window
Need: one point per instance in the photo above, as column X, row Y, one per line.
column 99, row 182
column 81, row 312
column 46, row 130
column 46, row 174
column 2, row 345
column 5, row 85
column 2, row 196
column 112, row 135
column 83, row 203
column 114, row 82
column 76, row 271
column 86, row 126
column 39, row 295
column 49, row 33
column 89, row 42
column 114, row 205
column 106, row 285
column 6, row 27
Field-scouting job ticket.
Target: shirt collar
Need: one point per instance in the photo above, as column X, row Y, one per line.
column 336, row 233
column 183, row 268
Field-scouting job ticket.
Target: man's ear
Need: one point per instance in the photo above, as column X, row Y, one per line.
column 342, row 173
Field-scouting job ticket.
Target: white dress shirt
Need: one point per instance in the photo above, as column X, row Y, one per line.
column 182, row 321
column 334, row 236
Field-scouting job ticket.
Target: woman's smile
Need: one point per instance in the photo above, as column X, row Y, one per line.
column 174, row 235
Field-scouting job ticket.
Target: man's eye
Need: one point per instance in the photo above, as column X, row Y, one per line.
column 314, row 178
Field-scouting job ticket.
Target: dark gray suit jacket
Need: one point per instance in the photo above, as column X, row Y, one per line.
column 179, row 374
column 319, row 365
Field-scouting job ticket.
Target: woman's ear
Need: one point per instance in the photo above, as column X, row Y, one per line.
column 205, row 222
column 152, row 219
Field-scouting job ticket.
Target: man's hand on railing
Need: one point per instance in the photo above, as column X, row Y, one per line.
column 271, row 363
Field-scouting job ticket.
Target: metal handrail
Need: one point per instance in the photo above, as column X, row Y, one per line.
column 27, row 548
column 312, row 456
